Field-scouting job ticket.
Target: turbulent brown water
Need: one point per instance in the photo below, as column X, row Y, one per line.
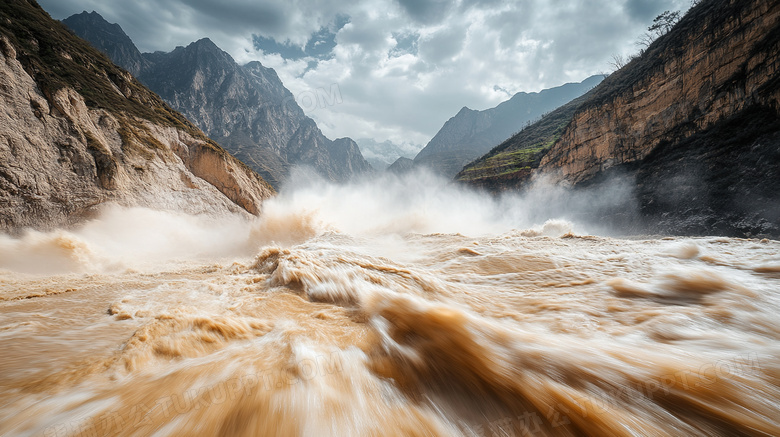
column 393, row 309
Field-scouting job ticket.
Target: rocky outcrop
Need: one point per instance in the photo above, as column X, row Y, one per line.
column 76, row 132
column 720, row 60
column 245, row 108
column 693, row 124
column 346, row 153
column 470, row 134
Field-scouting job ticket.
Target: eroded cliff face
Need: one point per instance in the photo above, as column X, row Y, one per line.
column 692, row 126
column 722, row 59
column 60, row 158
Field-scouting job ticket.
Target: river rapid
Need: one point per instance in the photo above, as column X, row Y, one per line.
column 401, row 307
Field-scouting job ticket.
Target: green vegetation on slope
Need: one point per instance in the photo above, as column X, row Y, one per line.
column 517, row 156
column 508, row 162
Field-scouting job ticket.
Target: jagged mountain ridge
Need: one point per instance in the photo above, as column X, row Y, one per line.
column 76, row 132
column 246, row 108
column 693, row 123
column 471, row 133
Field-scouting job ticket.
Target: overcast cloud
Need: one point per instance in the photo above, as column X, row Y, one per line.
column 402, row 67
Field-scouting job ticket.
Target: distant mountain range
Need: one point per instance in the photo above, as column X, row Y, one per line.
column 245, row 108
column 470, row 133
column 381, row 155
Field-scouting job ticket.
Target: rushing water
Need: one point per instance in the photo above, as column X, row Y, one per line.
column 399, row 308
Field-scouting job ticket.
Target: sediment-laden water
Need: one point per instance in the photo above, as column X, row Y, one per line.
column 384, row 311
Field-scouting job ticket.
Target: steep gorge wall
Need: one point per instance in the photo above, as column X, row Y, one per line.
column 692, row 126
column 721, row 59
column 60, row 158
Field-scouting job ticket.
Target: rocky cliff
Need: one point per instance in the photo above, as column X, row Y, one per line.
column 718, row 61
column 470, row 134
column 245, row 108
column 693, row 123
column 76, row 132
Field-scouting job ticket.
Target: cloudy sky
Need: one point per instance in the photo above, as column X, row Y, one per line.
column 400, row 67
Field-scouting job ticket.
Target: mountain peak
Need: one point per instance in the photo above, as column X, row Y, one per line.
column 520, row 95
column 206, row 46
column 205, row 43
column 92, row 15
column 256, row 65
column 465, row 110
column 246, row 108
column 94, row 19
column 109, row 38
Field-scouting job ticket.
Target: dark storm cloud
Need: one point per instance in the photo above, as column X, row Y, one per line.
column 159, row 25
column 286, row 49
column 320, row 45
column 644, row 11
column 512, row 23
column 322, row 42
column 249, row 14
column 427, row 11
column 443, row 44
column 57, row 10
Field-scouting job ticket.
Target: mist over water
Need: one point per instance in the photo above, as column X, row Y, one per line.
column 394, row 306
column 382, row 208
column 422, row 202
